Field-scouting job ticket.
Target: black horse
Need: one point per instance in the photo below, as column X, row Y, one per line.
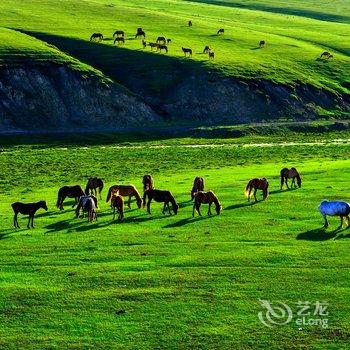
column 71, row 192
column 27, row 209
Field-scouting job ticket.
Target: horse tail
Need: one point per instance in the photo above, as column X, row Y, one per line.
column 109, row 194
column 248, row 188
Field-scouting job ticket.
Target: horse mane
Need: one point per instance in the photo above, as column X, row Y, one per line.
column 137, row 195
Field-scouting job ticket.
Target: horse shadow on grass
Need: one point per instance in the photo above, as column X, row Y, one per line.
column 240, row 205
column 319, row 234
column 186, row 221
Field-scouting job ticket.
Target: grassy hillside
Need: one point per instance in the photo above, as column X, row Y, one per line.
column 155, row 282
column 297, row 32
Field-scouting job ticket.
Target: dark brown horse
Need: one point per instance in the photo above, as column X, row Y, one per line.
column 117, row 203
column 198, row 185
column 96, row 37
column 257, row 184
column 118, row 33
column 187, row 51
column 291, row 173
column 160, row 40
column 209, row 197
column 220, row 31
column 190, row 23
column 211, row 55
column 262, row 43
column 94, row 184
column 168, row 41
column 160, row 196
column 140, row 32
column 127, row 191
column 148, row 183
column 153, row 45
column 27, row 209
column 206, row 49
column 119, row 40
column 325, row 54
column 144, row 44
column 71, row 192
column 162, row 47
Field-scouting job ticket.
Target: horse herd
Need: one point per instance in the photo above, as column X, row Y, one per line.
column 162, row 43
column 87, row 202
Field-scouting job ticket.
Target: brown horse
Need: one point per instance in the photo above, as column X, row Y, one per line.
column 168, row 41
column 262, row 43
column 125, row 190
column 187, row 51
column 325, row 54
column 119, row 40
column 211, row 55
column 291, row 173
column 162, row 47
column 117, row 203
column 148, row 183
column 161, row 39
column 118, row 33
column 140, row 32
column 257, row 184
column 160, row 196
column 96, row 37
column 206, row 49
column 220, row 31
column 190, row 23
column 88, row 204
column 93, row 184
column 27, row 209
column 209, row 197
column 152, row 45
column 71, row 192
column 144, row 44
column 198, row 185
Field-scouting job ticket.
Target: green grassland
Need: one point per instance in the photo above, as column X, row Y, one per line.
column 297, row 32
column 183, row 282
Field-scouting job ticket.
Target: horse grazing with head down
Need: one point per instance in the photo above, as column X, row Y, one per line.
column 162, row 197
column 291, row 173
column 198, row 185
column 209, row 197
column 94, row 184
column 71, row 192
column 27, row 209
column 335, row 208
column 125, row 190
column 84, row 204
column 119, row 40
column 117, row 203
column 257, row 184
column 220, row 31
column 262, row 43
column 96, row 37
column 140, row 32
column 187, row 51
column 148, row 183
column 190, row 23
column 118, row 33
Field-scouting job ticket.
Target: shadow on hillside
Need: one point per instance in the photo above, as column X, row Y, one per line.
column 319, row 234
column 274, row 9
column 240, row 205
column 186, row 221
column 285, row 190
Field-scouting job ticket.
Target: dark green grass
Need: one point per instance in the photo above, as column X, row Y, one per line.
column 183, row 282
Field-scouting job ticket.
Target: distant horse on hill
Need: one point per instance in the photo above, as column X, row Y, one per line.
column 291, row 173
column 262, row 44
column 94, row 184
column 96, row 37
column 119, row 40
column 187, row 51
column 220, row 31
column 118, row 33
column 198, row 185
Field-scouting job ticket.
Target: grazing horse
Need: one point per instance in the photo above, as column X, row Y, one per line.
column 125, row 190
column 262, row 43
column 161, row 39
column 198, row 185
column 330, row 57
column 147, row 182
column 83, row 204
column 206, row 198
column 117, row 203
column 257, row 184
column 190, row 23
column 206, row 49
column 187, row 51
column 162, row 47
column 93, row 184
column 119, row 40
column 168, row 41
column 118, row 33
column 140, row 32
column 325, row 54
column 291, row 173
column 96, row 37
column 144, row 44
column 71, row 192
column 220, row 31
column 211, row 55
column 160, row 196
column 152, row 45
column 27, row 209
column 335, row 208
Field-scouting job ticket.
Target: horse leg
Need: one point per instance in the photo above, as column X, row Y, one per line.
column 209, row 209
column 33, row 221
column 149, row 205
column 169, row 209
column 282, row 182
column 193, row 210
column 287, row 182
column 293, row 183
column 249, row 192
column 198, row 209
column 113, row 213
column 255, row 189
column 28, row 225
column 15, row 221
column 164, row 206
column 129, row 202
column 341, row 222
column 325, row 221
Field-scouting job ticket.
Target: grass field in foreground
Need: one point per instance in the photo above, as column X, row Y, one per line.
column 184, row 283
column 297, row 33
